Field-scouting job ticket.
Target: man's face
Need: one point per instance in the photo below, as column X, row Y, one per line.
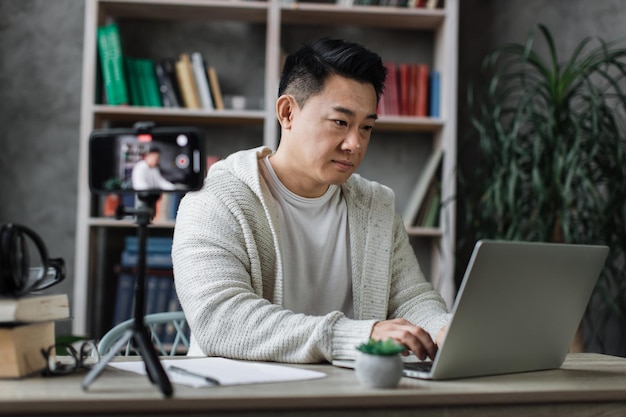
column 329, row 135
column 152, row 159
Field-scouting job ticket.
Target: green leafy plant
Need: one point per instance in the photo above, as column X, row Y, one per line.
column 381, row 347
column 551, row 157
column 113, row 184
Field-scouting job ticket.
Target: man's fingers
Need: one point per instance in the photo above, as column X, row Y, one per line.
column 413, row 337
column 420, row 343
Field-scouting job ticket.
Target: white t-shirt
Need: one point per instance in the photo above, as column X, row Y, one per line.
column 315, row 249
column 145, row 177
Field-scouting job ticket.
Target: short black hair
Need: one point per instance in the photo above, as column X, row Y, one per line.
column 306, row 70
column 153, row 149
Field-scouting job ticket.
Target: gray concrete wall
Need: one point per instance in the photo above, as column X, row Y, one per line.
column 41, row 46
column 40, row 81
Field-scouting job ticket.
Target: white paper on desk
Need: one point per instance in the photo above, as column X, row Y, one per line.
column 226, row 371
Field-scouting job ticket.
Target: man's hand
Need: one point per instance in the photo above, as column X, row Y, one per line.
column 416, row 339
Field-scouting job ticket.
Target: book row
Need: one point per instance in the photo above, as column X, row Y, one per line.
column 183, row 82
column 410, row 90
column 160, row 295
column 427, row 4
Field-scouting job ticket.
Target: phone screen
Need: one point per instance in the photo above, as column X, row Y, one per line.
column 161, row 160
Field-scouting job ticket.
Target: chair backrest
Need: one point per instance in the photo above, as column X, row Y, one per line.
column 169, row 332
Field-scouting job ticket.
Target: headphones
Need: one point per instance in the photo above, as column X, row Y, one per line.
column 18, row 276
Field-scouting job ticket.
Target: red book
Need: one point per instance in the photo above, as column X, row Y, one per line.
column 404, row 88
column 391, row 90
column 422, row 90
column 412, row 90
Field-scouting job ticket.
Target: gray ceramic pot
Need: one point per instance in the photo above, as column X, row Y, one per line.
column 378, row 371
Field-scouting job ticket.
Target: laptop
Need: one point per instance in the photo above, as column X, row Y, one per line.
column 517, row 309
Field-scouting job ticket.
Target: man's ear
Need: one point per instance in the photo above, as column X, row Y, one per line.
column 285, row 107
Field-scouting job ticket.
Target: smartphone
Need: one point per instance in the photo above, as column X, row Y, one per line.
column 161, row 159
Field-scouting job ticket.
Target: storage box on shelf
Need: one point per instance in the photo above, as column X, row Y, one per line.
column 245, row 42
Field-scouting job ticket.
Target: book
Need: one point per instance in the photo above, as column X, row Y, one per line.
column 429, row 211
column 412, row 86
column 435, row 86
column 421, row 99
column 153, row 244
column 421, row 187
column 20, row 348
column 169, row 67
column 149, row 82
column 34, row 308
column 390, row 95
column 153, row 259
column 202, row 81
column 158, row 300
column 124, row 297
column 216, row 90
column 158, row 287
column 166, row 88
column 160, row 304
column 403, row 84
column 152, row 287
column 112, row 65
column 168, row 332
column 432, row 209
column 187, row 82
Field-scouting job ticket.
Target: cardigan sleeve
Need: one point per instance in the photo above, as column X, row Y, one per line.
column 412, row 297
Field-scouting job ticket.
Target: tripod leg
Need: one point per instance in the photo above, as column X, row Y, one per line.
column 95, row 372
column 154, row 368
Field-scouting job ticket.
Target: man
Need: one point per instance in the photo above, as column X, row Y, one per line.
column 147, row 175
column 290, row 256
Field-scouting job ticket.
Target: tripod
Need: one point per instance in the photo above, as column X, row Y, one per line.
column 138, row 332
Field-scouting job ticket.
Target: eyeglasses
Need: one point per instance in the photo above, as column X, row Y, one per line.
column 84, row 358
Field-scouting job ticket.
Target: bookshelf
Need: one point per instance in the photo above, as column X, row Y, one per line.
column 245, row 41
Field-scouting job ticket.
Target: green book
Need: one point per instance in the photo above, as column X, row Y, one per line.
column 432, row 215
column 150, row 83
column 133, row 82
column 112, row 64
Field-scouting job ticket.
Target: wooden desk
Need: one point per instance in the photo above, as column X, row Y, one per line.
column 586, row 385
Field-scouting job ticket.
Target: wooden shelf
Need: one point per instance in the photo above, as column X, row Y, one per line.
column 178, row 115
column 425, row 231
column 418, row 34
column 371, row 16
column 409, row 124
column 203, row 10
column 247, row 117
column 126, row 223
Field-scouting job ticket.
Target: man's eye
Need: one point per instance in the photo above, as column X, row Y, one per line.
column 341, row 123
column 368, row 128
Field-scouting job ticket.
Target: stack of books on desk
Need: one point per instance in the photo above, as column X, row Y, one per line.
column 26, row 327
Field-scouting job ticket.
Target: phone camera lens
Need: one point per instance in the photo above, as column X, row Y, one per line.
column 182, row 161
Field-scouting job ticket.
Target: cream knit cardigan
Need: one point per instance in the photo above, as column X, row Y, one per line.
column 229, row 278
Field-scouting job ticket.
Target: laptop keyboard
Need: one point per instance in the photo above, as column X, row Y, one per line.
column 424, row 366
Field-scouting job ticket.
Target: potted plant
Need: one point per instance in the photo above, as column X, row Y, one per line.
column 551, row 158
column 378, row 363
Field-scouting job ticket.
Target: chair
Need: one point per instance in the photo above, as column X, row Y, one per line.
column 169, row 332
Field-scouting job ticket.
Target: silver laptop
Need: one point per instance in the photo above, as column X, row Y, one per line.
column 517, row 309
